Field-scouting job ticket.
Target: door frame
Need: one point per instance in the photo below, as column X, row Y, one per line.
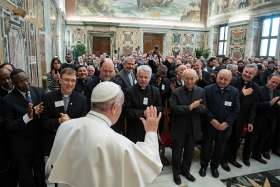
column 164, row 32
column 111, row 35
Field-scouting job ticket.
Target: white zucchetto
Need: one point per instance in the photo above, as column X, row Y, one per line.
column 105, row 91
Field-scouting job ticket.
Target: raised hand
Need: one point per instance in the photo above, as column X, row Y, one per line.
column 151, row 119
column 30, row 110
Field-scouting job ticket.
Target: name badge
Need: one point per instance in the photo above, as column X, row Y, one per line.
column 58, row 103
column 162, row 87
column 145, row 101
column 228, row 103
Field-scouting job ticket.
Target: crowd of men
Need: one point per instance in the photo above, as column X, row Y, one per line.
column 216, row 104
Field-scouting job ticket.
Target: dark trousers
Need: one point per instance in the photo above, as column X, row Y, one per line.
column 213, row 147
column 8, row 178
column 264, row 137
column 31, row 170
column 177, row 151
column 234, row 144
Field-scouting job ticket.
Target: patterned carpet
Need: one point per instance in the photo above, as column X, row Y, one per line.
column 261, row 179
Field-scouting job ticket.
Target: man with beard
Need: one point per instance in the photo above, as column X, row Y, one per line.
column 82, row 79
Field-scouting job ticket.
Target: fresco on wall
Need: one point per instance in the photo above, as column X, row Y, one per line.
column 225, row 6
column 178, row 10
column 17, row 48
column 237, row 42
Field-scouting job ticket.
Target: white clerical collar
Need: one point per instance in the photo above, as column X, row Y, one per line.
column 101, row 116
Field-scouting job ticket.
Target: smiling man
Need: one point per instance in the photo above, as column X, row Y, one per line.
column 60, row 106
column 138, row 98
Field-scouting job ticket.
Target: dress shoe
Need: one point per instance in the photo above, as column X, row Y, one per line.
column 189, row 176
column 177, row 179
column 215, row 173
column 246, row 162
column 202, row 172
column 266, row 155
column 260, row 160
column 226, row 167
column 236, row 164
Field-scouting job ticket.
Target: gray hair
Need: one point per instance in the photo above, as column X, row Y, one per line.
column 190, row 71
column 105, row 106
column 128, row 59
column 232, row 66
column 253, row 65
column 145, row 68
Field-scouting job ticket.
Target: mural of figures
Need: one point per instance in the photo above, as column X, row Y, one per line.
column 17, row 48
column 177, row 10
column 226, row 6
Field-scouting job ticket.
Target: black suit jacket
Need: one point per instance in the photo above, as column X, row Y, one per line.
column 206, row 80
column 77, row 107
column 24, row 138
column 3, row 92
column 122, row 79
column 135, row 109
column 184, row 120
column 4, row 156
column 248, row 104
column 266, row 114
column 221, row 105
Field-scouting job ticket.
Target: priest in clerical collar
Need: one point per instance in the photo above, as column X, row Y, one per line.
column 87, row 152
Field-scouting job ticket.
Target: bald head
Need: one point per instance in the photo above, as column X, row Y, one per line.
column 107, row 70
column 224, row 78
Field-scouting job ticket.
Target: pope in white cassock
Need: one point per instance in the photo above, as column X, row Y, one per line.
column 88, row 153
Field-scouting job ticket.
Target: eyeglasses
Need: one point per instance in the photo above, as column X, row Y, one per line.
column 69, row 80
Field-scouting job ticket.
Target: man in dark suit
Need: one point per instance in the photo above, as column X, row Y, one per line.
column 248, row 97
column 23, row 109
column 61, row 105
column 82, row 79
column 69, row 62
column 137, row 99
column 204, row 78
column 126, row 79
column 8, row 177
column 266, row 118
column 222, row 107
column 187, row 104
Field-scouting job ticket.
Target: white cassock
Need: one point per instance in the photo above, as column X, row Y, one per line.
column 88, row 153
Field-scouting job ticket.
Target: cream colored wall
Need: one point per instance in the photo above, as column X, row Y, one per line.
column 129, row 38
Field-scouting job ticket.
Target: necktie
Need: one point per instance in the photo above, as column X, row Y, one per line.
column 130, row 79
column 66, row 102
column 28, row 97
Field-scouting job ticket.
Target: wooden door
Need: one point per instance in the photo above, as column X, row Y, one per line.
column 101, row 45
column 151, row 40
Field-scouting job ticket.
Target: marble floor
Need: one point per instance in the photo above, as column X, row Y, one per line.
column 166, row 177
